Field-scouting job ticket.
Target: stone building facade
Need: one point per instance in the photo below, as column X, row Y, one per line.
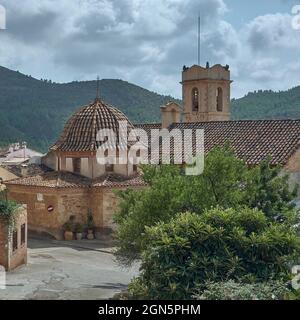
column 53, row 198
column 78, row 183
column 206, row 93
column 13, row 244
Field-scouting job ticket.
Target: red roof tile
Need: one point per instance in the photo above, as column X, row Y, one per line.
column 252, row 140
column 81, row 129
column 65, row 179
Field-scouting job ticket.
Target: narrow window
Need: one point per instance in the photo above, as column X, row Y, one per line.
column 195, row 99
column 15, row 240
column 219, row 99
column 23, row 234
column 76, row 165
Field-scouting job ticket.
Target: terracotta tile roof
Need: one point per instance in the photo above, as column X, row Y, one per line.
column 252, row 140
column 53, row 179
column 6, row 175
column 148, row 126
column 32, row 169
column 113, row 180
column 57, row 179
column 81, row 129
column 3, row 152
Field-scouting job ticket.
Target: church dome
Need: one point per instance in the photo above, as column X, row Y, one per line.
column 81, row 129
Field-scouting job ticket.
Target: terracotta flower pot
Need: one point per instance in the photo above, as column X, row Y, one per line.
column 68, row 235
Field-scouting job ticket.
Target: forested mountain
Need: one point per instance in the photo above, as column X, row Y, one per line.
column 36, row 110
column 268, row 105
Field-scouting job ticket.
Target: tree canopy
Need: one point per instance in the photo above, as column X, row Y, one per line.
column 227, row 182
column 190, row 250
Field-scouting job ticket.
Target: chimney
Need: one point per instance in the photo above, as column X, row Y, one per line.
column 24, row 170
column 17, row 146
column 170, row 113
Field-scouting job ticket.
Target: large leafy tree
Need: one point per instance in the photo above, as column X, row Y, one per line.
column 226, row 182
column 191, row 250
column 269, row 191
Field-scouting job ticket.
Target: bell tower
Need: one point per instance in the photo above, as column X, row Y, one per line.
column 206, row 93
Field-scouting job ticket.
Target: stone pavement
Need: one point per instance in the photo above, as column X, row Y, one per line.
column 96, row 245
column 68, row 270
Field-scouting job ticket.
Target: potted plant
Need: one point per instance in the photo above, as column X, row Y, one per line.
column 90, row 226
column 78, row 230
column 68, row 231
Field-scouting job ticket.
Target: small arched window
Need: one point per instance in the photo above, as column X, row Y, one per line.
column 219, row 99
column 195, row 99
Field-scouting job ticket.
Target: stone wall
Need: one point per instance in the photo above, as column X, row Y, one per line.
column 67, row 202
column 110, row 206
column 292, row 168
column 50, row 160
column 3, row 244
column 96, row 206
column 75, row 203
column 37, row 201
column 9, row 258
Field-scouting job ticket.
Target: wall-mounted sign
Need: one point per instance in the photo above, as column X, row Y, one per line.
column 50, row 208
column 40, row 197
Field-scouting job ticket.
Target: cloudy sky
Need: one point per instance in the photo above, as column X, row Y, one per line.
column 147, row 42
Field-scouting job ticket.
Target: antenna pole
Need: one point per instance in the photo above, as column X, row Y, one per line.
column 199, row 32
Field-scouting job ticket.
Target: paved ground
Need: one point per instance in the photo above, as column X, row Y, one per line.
column 60, row 270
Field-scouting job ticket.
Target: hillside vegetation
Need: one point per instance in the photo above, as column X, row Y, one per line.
column 36, row 110
column 268, row 105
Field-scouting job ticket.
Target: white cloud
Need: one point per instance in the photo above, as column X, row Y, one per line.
column 146, row 42
column 272, row 32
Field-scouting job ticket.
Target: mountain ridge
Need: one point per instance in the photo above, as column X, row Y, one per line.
column 36, row 110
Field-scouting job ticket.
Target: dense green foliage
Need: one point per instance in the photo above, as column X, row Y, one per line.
column 8, row 210
column 36, row 110
column 269, row 191
column 218, row 245
column 226, row 182
column 267, row 105
column 232, row 290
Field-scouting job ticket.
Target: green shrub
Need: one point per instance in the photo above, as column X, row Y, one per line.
column 78, row 228
column 226, row 182
column 220, row 245
column 293, row 295
column 232, row 290
column 9, row 212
